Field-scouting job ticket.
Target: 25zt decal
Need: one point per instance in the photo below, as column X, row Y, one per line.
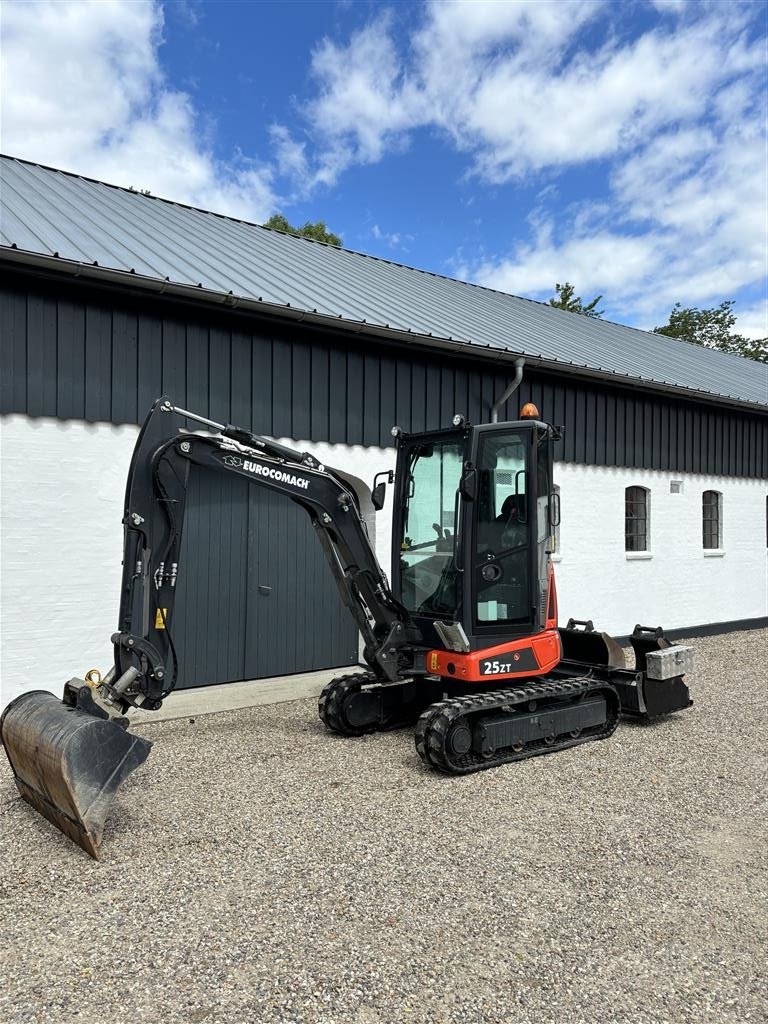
column 497, row 668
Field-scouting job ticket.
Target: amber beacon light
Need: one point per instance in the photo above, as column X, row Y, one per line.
column 529, row 412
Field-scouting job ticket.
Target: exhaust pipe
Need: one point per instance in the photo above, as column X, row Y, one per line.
column 510, row 390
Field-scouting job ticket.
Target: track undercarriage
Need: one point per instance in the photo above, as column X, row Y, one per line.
column 462, row 728
column 469, row 731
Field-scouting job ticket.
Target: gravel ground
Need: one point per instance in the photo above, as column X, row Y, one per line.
column 257, row 869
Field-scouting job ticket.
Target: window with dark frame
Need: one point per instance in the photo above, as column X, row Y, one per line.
column 711, row 519
column 636, row 531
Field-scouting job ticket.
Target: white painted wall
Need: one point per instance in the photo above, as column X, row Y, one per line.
column 61, row 496
column 61, row 504
column 679, row 585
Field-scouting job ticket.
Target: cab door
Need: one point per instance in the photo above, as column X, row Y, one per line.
column 502, row 580
column 428, row 530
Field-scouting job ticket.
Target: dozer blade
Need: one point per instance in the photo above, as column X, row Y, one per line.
column 589, row 647
column 69, row 762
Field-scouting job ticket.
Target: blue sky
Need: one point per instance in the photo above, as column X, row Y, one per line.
column 620, row 146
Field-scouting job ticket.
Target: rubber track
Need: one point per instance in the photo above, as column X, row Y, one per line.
column 332, row 701
column 435, row 723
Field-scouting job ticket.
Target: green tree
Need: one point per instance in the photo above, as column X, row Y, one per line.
column 713, row 328
column 318, row 230
column 565, row 299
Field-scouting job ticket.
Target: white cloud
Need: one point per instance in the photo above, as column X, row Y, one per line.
column 514, row 85
column 82, row 89
column 394, row 239
column 686, row 223
column 363, row 104
column 607, row 258
column 752, row 321
column 674, row 114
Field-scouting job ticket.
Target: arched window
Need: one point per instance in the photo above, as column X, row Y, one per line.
column 712, row 519
column 637, row 523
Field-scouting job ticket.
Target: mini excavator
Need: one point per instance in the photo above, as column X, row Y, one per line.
column 463, row 644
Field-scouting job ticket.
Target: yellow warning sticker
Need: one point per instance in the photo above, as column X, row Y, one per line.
column 160, row 618
column 433, row 661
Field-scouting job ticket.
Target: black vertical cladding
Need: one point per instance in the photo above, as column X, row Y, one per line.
column 594, row 429
column 610, row 429
column 70, row 379
column 98, row 364
column 433, row 388
column 241, row 409
column 371, row 398
column 42, row 367
column 353, row 432
column 337, row 395
column 403, row 402
column 642, row 446
column 318, row 388
column 447, row 397
column 579, row 420
column 733, row 434
column 657, row 440
column 474, row 397
column 388, row 399
column 417, row 420
column 174, row 380
column 461, row 391
column 282, row 387
column 695, row 441
column 103, row 357
column 125, row 366
column 490, row 391
column 219, row 376
column 261, row 394
column 665, row 436
column 150, row 359
column 301, row 390
column 13, row 332
column 198, row 385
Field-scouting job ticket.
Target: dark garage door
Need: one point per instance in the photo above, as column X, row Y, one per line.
column 256, row 597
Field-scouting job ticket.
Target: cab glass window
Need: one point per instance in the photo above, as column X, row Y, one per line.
column 501, row 572
column 427, row 546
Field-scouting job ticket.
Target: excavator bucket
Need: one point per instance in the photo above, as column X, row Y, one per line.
column 69, row 758
column 584, row 644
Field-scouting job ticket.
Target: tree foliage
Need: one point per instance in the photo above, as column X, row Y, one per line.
column 713, row 328
column 318, row 231
column 566, row 299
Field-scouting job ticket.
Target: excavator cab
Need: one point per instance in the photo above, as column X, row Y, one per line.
column 474, row 514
